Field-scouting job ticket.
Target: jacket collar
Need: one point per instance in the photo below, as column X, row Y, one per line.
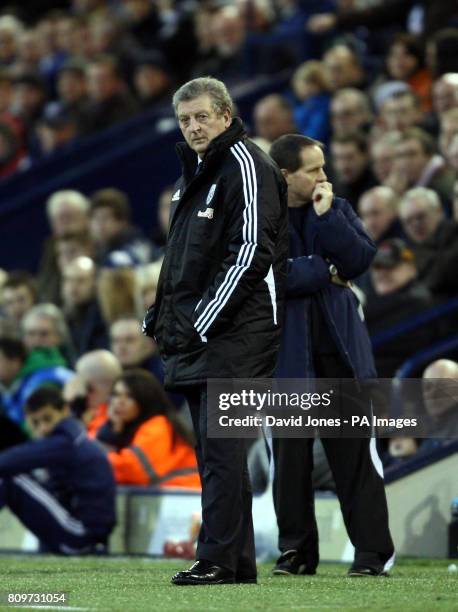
column 216, row 149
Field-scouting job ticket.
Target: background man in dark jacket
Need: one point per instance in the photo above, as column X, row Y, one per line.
column 324, row 336
column 73, row 511
column 217, row 311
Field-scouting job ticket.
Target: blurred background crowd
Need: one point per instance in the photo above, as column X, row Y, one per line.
column 376, row 81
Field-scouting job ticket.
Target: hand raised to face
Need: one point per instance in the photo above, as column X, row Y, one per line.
column 322, row 197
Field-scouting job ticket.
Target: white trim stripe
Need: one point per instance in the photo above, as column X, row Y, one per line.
column 376, row 461
column 247, row 250
column 270, row 281
column 43, row 497
column 389, row 564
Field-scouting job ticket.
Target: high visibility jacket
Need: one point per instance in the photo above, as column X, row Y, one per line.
column 156, row 457
column 99, row 419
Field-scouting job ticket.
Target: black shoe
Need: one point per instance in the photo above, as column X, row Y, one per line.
column 363, row 572
column 204, row 572
column 290, row 562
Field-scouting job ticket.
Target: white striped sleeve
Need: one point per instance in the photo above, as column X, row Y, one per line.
column 249, row 241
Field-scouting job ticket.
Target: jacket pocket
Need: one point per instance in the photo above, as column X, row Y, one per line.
column 187, row 337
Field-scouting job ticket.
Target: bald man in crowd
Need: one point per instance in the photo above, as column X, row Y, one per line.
column 273, row 117
column 96, row 372
column 378, row 209
column 440, row 395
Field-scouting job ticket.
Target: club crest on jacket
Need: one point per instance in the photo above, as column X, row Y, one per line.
column 208, row 213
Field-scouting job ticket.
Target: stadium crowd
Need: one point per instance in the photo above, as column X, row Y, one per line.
column 375, row 82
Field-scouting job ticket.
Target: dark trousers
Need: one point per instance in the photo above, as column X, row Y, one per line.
column 226, row 536
column 359, row 485
column 45, row 517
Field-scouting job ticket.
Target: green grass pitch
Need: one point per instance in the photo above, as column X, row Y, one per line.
column 137, row 585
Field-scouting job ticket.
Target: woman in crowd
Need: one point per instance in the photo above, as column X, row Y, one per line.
column 147, row 442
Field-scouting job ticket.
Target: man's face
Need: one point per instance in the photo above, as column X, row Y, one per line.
column 346, row 116
column 78, row 286
column 400, row 113
column 200, row 124
column 444, row 96
column 9, row 368
column 376, row 214
column 272, row 121
column 128, row 343
column 439, row 395
column 449, row 129
column 401, row 64
column 102, row 83
column 420, row 222
column 68, row 219
column 349, row 161
column 71, row 86
column 104, row 225
column 43, row 422
column 303, row 181
column 389, row 280
column 40, row 332
column 17, row 301
column 410, row 160
column 341, row 68
column 382, row 158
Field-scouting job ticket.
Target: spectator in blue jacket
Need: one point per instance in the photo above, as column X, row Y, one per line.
column 324, row 336
column 73, row 510
column 21, row 373
column 311, row 105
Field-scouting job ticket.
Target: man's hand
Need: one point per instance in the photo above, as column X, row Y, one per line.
column 320, row 24
column 322, row 197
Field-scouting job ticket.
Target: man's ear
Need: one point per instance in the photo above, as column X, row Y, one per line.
column 285, row 173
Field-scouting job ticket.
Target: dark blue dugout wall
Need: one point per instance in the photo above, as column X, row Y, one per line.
column 137, row 157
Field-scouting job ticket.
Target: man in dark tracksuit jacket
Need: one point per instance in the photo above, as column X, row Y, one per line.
column 218, row 305
column 324, row 336
column 73, row 510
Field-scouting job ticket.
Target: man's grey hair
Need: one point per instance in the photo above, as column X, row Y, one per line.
column 67, row 196
column 428, row 196
column 53, row 314
column 217, row 90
